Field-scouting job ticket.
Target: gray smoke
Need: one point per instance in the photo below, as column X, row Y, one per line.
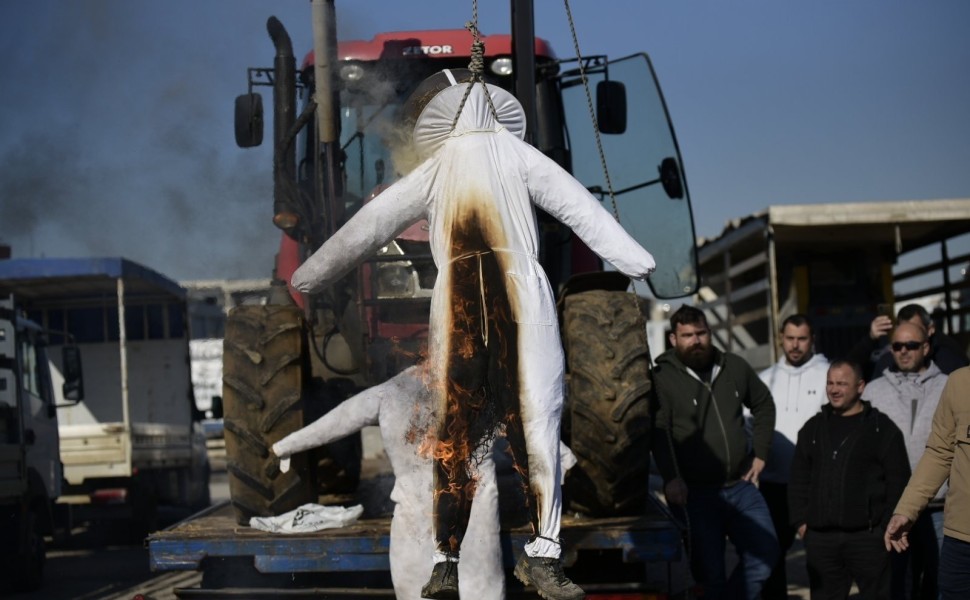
column 103, row 152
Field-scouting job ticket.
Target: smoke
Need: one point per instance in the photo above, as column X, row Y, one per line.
column 122, row 143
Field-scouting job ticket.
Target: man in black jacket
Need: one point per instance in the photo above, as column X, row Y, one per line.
column 849, row 470
column 701, row 450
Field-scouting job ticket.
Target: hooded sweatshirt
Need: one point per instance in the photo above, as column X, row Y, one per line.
column 910, row 400
column 703, row 424
column 799, row 394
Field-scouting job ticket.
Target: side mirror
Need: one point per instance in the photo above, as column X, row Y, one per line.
column 249, row 120
column 73, row 387
column 670, row 178
column 611, row 107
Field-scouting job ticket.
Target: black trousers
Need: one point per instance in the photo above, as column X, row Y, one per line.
column 837, row 558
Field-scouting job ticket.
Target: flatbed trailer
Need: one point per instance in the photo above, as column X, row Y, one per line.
column 623, row 557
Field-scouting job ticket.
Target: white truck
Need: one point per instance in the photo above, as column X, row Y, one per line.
column 134, row 443
column 30, row 468
column 841, row 264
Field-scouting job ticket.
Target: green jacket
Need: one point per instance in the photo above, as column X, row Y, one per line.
column 704, row 425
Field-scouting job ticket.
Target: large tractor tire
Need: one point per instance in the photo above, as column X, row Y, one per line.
column 263, row 379
column 608, row 364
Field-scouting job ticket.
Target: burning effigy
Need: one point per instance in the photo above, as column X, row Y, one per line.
column 495, row 356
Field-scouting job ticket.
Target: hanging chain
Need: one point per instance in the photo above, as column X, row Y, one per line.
column 596, row 131
column 616, row 215
column 592, row 112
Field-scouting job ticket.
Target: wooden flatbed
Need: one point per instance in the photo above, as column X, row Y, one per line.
column 620, row 554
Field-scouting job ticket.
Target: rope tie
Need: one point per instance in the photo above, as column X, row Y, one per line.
column 477, row 67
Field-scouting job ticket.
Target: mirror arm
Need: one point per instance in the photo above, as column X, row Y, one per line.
column 599, row 191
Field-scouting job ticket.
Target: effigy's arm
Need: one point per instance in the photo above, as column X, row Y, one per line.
column 373, row 226
column 350, row 416
column 562, row 196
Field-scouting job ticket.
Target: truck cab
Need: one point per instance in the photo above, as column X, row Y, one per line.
column 30, row 466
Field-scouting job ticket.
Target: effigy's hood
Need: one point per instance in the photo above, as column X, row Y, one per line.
column 434, row 125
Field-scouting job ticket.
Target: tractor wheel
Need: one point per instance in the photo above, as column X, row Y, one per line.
column 263, row 379
column 609, row 381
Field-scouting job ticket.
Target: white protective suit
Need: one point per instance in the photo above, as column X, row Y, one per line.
column 400, row 406
column 494, row 342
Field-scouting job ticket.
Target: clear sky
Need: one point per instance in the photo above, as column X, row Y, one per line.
column 116, row 128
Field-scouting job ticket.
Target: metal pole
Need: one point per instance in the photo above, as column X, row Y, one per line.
column 328, row 107
column 947, row 287
column 524, row 62
column 773, row 316
column 123, row 361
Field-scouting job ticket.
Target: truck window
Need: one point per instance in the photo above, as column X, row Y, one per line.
column 155, row 317
column 663, row 225
column 31, row 376
column 176, row 321
column 87, row 325
column 135, row 322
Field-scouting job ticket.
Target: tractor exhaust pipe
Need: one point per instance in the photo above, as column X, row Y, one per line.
column 328, row 112
column 285, row 213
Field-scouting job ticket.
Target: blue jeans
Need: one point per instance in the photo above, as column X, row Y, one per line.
column 739, row 513
column 954, row 569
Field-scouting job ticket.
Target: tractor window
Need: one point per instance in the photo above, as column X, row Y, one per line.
column 649, row 209
column 31, row 375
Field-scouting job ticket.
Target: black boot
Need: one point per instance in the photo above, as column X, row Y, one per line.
column 443, row 583
column 547, row 576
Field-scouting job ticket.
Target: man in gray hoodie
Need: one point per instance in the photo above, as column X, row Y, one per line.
column 908, row 393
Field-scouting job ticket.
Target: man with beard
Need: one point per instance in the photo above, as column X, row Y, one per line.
column 701, row 449
column 797, row 384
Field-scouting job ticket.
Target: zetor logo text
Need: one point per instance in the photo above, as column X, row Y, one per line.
column 411, row 50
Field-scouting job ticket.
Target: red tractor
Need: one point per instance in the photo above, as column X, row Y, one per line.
column 288, row 362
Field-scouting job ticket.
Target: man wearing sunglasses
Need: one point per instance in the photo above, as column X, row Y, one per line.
column 875, row 356
column 909, row 392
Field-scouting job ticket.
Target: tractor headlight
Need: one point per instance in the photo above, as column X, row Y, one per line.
column 502, row 66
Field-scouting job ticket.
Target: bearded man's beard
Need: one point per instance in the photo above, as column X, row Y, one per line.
column 697, row 358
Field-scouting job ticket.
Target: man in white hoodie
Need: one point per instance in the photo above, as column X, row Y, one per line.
column 908, row 393
column 797, row 384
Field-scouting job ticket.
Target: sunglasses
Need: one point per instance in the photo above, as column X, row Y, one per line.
column 911, row 346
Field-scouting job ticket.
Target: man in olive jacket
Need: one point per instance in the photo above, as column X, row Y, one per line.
column 701, row 450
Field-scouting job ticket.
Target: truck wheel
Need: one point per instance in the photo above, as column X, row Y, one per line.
column 263, row 378
column 609, row 380
column 28, row 565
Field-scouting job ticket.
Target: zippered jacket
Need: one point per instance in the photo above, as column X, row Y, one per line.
column 699, row 432
column 799, row 394
column 947, row 456
column 852, row 485
column 910, row 400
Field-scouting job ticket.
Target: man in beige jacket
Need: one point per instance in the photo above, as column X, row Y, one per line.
column 947, row 455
